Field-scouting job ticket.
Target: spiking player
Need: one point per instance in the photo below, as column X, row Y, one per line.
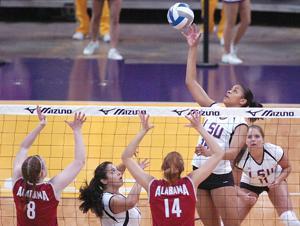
column 172, row 199
column 230, row 134
column 36, row 201
column 265, row 167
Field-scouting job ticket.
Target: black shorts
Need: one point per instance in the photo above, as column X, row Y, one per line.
column 257, row 190
column 216, row 181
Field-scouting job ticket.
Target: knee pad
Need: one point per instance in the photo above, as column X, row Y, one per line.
column 289, row 218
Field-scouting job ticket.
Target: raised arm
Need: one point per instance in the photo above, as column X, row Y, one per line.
column 205, row 170
column 26, row 144
column 64, row 178
column 192, row 36
column 136, row 171
column 120, row 203
column 238, row 141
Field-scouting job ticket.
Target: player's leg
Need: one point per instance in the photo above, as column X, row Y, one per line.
column 83, row 19
column 226, row 202
column 231, row 12
column 105, row 22
column 245, row 20
column 206, row 208
column 211, row 13
column 115, row 9
column 96, row 15
column 279, row 196
column 221, row 26
column 246, row 200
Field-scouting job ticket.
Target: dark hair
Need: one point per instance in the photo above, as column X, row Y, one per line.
column 172, row 166
column 91, row 194
column 248, row 95
column 242, row 151
column 31, row 171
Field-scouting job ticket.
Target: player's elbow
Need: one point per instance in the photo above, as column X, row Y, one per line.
column 81, row 163
column 124, row 158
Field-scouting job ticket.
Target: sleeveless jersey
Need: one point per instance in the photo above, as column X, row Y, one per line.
column 41, row 209
column 131, row 217
column 172, row 204
column 222, row 129
column 261, row 173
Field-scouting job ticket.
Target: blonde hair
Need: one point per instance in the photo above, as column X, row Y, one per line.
column 172, row 166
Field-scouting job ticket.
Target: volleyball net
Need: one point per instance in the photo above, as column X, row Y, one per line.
column 109, row 129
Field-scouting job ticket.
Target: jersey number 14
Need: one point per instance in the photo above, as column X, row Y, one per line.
column 175, row 208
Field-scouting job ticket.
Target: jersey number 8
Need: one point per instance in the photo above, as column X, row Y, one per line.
column 31, row 210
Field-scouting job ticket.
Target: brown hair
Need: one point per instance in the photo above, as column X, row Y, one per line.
column 31, row 172
column 242, row 151
column 172, row 166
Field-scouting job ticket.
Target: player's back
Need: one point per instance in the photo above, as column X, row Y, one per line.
column 41, row 208
column 172, row 204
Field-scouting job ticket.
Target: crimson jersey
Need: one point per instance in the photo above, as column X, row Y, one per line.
column 41, row 209
column 172, row 204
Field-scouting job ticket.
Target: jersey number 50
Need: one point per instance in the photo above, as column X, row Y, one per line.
column 175, row 208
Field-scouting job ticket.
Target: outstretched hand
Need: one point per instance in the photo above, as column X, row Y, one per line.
column 192, row 35
column 202, row 150
column 145, row 122
column 79, row 119
column 144, row 164
column 41, row 116
column 195, row 120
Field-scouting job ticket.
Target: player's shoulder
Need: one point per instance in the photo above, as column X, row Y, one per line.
column 272, row 147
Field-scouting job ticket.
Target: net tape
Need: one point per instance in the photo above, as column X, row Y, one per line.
column 118, row 110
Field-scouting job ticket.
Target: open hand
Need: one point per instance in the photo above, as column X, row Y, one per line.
column 192, row 35
column 145, row 122
column 194, row 119
column 202, row 150
column 79, row 119
column 144, row 164
column 41, row 116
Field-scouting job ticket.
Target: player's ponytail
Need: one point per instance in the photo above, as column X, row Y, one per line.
column 91, row 194
column 31, row 173
column 248, row 95
column 172, row 166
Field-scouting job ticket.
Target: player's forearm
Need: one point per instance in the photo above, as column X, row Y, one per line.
column 79, row 147
column 134, row 195
column 30, row 138
column 284, row 174
column 213, row 145
column 230, row 154
column 191, row 66
column 131, row 148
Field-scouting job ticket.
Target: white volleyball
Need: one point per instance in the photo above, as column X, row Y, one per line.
column 180, row 15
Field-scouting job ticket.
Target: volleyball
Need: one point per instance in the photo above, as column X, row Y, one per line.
column 180, row 15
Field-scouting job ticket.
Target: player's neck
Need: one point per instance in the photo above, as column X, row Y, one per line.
column 111, row 189
column 257, row 154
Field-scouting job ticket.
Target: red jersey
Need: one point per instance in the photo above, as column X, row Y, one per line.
column 41, row 209
column 172, row 204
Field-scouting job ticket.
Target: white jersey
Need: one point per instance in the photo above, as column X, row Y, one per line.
column 131, row 217
column 262, row 173
column 222, row 129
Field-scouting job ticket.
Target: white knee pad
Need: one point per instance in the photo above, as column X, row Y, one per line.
column 289, row 218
